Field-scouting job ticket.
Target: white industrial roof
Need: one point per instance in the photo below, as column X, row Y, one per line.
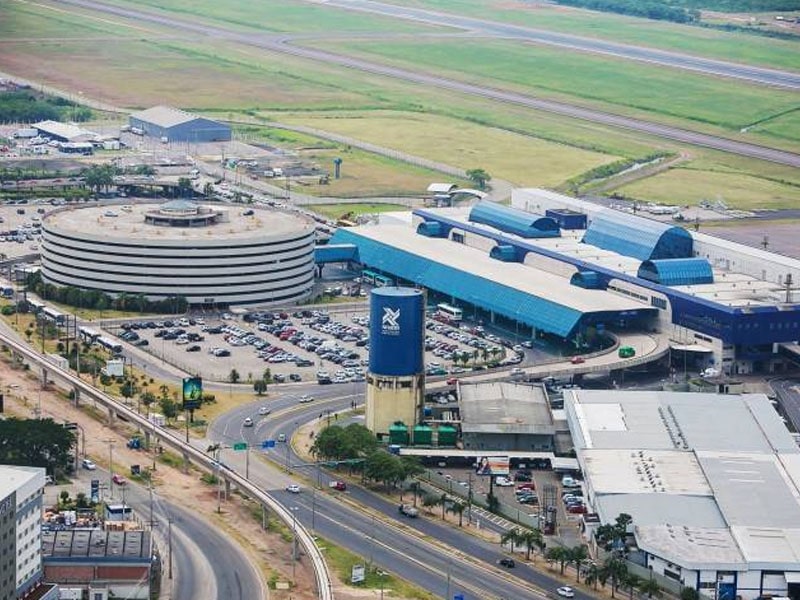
column 164, row 116
column 67, row 131
column 13, row 477
column 710, row 480
column 442, row 188
column 503, row 407
column 514, row 275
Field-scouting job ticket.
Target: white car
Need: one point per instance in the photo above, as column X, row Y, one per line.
column 503, row 481
column 293, row 488
column 248, row 422
column 566, row 592
column 263, row 410
column 88, row 464
column 306, row 398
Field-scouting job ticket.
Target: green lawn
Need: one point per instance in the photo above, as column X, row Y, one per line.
column 282, row 16
column 518, row 158
column 688, row 186
column 28, row 22
column 336, row 211
column 729, row 46
column 545, row 71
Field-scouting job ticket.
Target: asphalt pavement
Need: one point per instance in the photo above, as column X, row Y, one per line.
column 283, row 45
column 420, row 550
column 788, row 392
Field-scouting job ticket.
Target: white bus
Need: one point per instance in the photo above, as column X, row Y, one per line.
column 449, row 313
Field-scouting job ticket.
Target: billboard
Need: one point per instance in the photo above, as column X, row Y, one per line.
column 397, row 331
column 192, row 392
column 492, row 465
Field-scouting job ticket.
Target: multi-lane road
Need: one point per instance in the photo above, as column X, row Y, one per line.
column 421, row 551
column 283, row 45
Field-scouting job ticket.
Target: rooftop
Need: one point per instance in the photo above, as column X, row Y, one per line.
column 164, row 116
column 129, row 222
column 504, row 408
column 13, row 477
column 67, row 131
column 96, row 545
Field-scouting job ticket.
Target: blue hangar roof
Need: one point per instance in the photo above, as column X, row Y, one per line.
column 542, row 300
column 639, row 238
column 677, row 271
column 513, row 220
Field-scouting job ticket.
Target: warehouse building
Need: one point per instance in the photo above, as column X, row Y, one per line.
column 712, row 483
column 174, row 125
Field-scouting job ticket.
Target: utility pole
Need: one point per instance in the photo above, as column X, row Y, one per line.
column 110, row 467
column 169, row 543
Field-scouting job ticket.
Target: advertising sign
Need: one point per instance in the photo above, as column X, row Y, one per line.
column 359, row 574
column 492, row 465
column 192, row 392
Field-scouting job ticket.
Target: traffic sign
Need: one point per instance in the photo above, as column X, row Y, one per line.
column 239, row 446
column 268, row 444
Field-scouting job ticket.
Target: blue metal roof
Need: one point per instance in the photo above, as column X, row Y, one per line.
column 503, row 300
column 589, row 280
column 677, row 271
column 504, row 252
column 329, row 253
column 640, row 238
column 512, row 220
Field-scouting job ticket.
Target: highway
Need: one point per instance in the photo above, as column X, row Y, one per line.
column 283, row 45
column 483, row 27
column 788, row 392
column 422, row 551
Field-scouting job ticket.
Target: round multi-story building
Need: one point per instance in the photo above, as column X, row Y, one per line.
column 208, row 254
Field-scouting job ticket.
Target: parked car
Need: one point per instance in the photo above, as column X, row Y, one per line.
column 119, row 479
column 88, row 464
column 503, row 481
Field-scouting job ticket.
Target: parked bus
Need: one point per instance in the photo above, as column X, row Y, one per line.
column 376, row 279
column 51, row 314
column 449, row 313
column 626, row 352
column 111, row 345
column 35, row 305
column 88, row 335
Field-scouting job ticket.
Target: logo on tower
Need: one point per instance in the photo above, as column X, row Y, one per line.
column 390, row 321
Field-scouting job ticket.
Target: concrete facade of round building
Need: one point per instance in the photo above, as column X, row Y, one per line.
column 208, row 254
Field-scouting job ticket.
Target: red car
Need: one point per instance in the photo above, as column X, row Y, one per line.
column 338, row 485
column 119, row 479
column 576, row 360
column 452, row 381
column 526, row 486
column 577, row 509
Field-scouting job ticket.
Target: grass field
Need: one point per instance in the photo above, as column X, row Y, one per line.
column 283, row 16
column 728, row 104
column 688, row 186
column 729, row 46
column 511, row 156
column 336, row 211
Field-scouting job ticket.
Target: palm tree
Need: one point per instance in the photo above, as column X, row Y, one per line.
column 560, row 555
column 511, row 537
column 651, row 588
column 633, row 582
column 613, row 569
column 443, row 503
column 592, row 576
column 532, row 538
column 457, row 508
column 578, row 554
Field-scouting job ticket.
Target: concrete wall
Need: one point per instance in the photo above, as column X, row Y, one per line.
column 391, row 399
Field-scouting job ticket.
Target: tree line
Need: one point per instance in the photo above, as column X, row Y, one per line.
column 36, row 443
column 649, row 9
column 97, row 300
column 29, row 107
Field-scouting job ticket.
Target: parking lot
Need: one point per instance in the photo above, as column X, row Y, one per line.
column 303, row 345
column 20, row 227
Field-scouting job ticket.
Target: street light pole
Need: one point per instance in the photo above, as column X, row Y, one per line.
column 294, row 541
column 111, row 468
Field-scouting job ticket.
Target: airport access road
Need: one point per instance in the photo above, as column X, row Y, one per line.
column 421, row 550
column 485, row 27
column 284, row 46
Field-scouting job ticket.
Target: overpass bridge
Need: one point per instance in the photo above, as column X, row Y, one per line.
column 83, row 391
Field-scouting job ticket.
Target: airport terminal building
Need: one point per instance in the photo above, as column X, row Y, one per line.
column 568, row 268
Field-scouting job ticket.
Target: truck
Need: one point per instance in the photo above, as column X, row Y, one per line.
column 26, row 133
column 408, row 510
